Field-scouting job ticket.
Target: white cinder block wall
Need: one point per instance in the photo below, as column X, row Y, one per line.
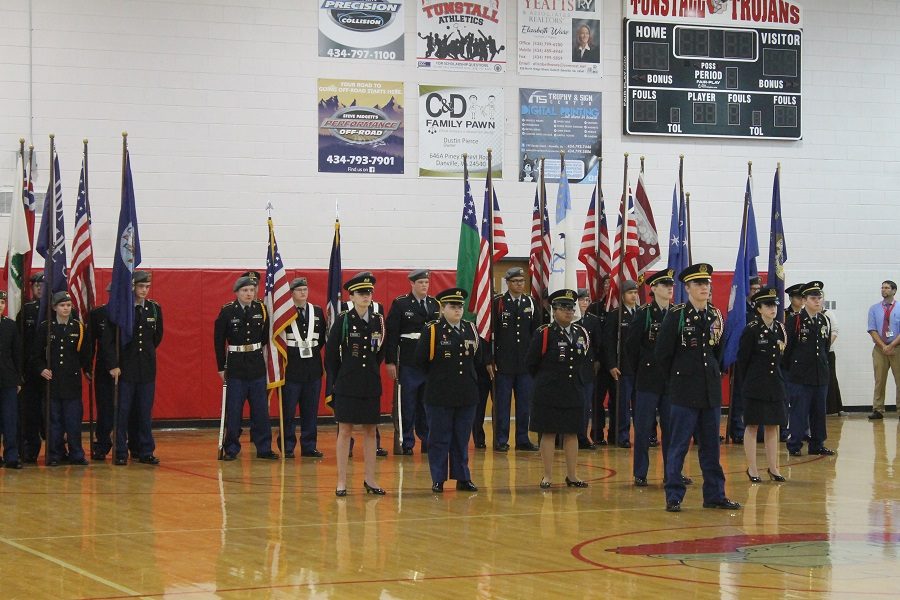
column 219, row 99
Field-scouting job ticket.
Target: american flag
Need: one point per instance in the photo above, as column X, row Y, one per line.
column 627, row 265
column 281, row 313
column 481, row 299
column 588, row 252
column 539, row 259
column 604, row 253
column 82, row 285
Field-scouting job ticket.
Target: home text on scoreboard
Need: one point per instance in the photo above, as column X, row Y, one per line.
column 713, row 68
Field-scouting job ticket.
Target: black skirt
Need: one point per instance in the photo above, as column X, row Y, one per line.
column 556, row 419
column 357, row 410
column 764, row 412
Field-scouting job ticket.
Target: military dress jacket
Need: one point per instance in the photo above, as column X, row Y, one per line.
column 70, row 354
column 515, row 323
column 759, row 361
column 612, row 331
column 245, row 330
column 405, row 321
column 450, row 356
column 29, row 321
column 353, row 354
column 137, row 358
column 808, row 342
column 99, row 323
column 594, row 328
column 558, row 365
column 304, row 354
column 639, row 349
column 11, row 360
column 688, row 349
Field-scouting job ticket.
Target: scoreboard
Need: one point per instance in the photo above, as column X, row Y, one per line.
column 713, row 70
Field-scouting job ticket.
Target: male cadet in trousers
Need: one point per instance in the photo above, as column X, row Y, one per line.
column 688, row 350
column 104, row 384
column 303, row 374
column 405, row 321
column 134, row 367
column 806, row 372
column 10, row 383
column 517, row 319
column 447, row 353
column 241, row 331
column 69, row 356
column 621, row 371
column 736, row 407
column 602, row 378
column 795, row 296
column 31, row 396
column 592, row 325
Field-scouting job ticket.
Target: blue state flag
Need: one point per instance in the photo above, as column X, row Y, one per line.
column 678, row 251
column 752, row 237
column 126, row 258
column 52, row 227
column 333, row 306
column 778, row 254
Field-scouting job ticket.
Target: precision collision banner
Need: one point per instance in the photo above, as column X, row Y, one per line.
column 360, row 29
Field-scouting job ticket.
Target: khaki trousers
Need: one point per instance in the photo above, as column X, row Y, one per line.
column 882, row 364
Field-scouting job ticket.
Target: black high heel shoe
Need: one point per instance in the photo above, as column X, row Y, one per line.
column 577, row 483
column 753, row 479
column 545, row 484
column 774, row 477
column 340, row 493
column 373, row 490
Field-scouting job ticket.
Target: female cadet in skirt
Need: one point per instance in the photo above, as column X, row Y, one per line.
column 759, row 366
column 353, row 355
column 556, row 359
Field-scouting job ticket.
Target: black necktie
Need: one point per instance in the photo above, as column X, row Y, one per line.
column 247, row 312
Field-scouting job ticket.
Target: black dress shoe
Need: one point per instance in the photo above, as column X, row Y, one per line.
column 774, row 477
column 795, row 452
column 578, row 483
column 373, row 490
column 737, row 440
column 466, row 486
column 381, row 452
column 527, row 447
column 640, row 481
column 724, row 503
column 13, row 464
column 97, row 456
column 602, row 443
column 437, row 487
column 267, row 455
column 545, row 484
column 310, row 454
column 480, row 445
column 501, row 447
column 340, row 493
column 227, row 456
column 625, row 444
column 673, row 506
column 121, row 461
column 289, row 455
column 823, row 451
column 875, row 416
column 687, row 480
column 752, row 478
column 586, row 446
column 53, row 463
column 81, row 462
column 148, row 460
column 406, row 451
column 654, row 442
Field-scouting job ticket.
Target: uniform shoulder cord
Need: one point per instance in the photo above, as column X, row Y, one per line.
column 544, row 337
column 80, row 336
column 431, row 332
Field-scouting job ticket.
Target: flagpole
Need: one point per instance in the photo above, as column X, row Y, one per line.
column 621, row 279
column 20, row 323
column 88, row 309
column 729, row 434
column 115, row 436
column 594, row 286
column 26, row 268
column 542, row 208
column 48, row 288
column 490, row 273
column 687, row 210
column 279, row 388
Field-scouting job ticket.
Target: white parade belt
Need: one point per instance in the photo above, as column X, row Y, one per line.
column 245, row 347
column 411, row 336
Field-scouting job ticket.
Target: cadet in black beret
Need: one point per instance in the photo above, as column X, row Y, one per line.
column 241, row 330
column 447, row 352
column 353, row 353
column 759, row 365
column 71, row 352
column 688, row 349
column 558, row 356
column 807, row 372
column 255, row 276
column 10, row 369
column 795, row 295
column 619, row 370
column 31, row 396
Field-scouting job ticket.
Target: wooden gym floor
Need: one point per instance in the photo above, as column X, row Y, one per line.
column 197, row 528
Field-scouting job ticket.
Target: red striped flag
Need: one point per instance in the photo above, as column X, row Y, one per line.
column 648, row 239
column 539, row 258
column 281, row 311
column 82, row 285
column 588, row 252
column 491, row 234
column 627, row 265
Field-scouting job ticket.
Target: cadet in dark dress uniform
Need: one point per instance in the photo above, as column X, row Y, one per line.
column 405, row 321
column 353, row 353
column 736, row 405
column 447, row 352
column 241, row 331
column 759, row 367
column 806, row 371
column 620, row 410
column 10, row 382
column 517, row 319
column 559, row 358
column 795, row 299
column 31, row 396
column 592, row 325
column 651, row 393
column 134, row 366
column 104, row 385
column 602, row 379
column 69, row 356
column 303, row 373
column 688, row 350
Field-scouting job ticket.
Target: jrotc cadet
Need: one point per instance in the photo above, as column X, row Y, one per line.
column 592, row 325
column 806, row 371
column 303, row 374
column 405, row 321
column 614, row 330
column 447, row 353
column 736, row 406
column 560, row 358
column 241, row 331
column 602, row 378
column 688, row 350
column 759, row 364
column 353, row 353
column 10, row 383
column 795, row 296
column 31, row 396
column 61, row 367
column 517, row 320
column 134, row 367
column 104, row 384
column 651, row 393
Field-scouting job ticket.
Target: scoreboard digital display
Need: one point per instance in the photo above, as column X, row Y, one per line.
column 713, row 68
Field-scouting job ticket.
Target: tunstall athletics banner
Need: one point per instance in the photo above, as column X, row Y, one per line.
column 559, row 38
column 461, row 36
column 360, row 29
column 457, row 120
column 554, row 120
column 360, row 126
